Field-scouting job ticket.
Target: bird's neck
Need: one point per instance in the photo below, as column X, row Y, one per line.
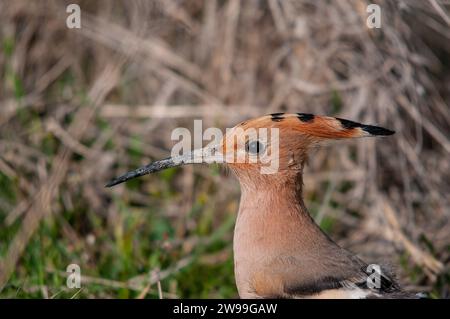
column 274, row 223
column 278, row 196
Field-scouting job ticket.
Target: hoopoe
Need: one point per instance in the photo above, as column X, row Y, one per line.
column 279, row 251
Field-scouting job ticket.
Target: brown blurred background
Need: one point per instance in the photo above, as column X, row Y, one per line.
column 79, row 106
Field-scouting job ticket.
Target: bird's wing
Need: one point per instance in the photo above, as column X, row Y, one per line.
column 342, row 275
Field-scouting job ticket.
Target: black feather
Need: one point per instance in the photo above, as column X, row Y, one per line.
column 371, row 129
column 305, row 117
column 277, row 117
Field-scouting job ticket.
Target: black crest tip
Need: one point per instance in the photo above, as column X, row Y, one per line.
column 376, row 130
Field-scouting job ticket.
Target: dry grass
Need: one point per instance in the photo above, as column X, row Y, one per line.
column 80, row 106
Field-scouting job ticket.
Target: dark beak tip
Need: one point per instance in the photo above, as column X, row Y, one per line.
column 113, row 182
column 109, row 184
column 144, row 170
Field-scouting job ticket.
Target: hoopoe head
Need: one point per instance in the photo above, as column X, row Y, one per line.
column 268, row 145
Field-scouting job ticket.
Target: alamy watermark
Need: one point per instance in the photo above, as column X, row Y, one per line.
column 74, row 277
column 373, row 280
column 237, row 146
column 374, row 19
column 73, row 20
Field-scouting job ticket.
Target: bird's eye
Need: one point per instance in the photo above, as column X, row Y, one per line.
column 254, row 147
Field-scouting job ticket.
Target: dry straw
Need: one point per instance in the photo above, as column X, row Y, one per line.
column 151, row 66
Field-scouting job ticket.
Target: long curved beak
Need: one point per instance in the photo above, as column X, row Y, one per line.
column 203, row 155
